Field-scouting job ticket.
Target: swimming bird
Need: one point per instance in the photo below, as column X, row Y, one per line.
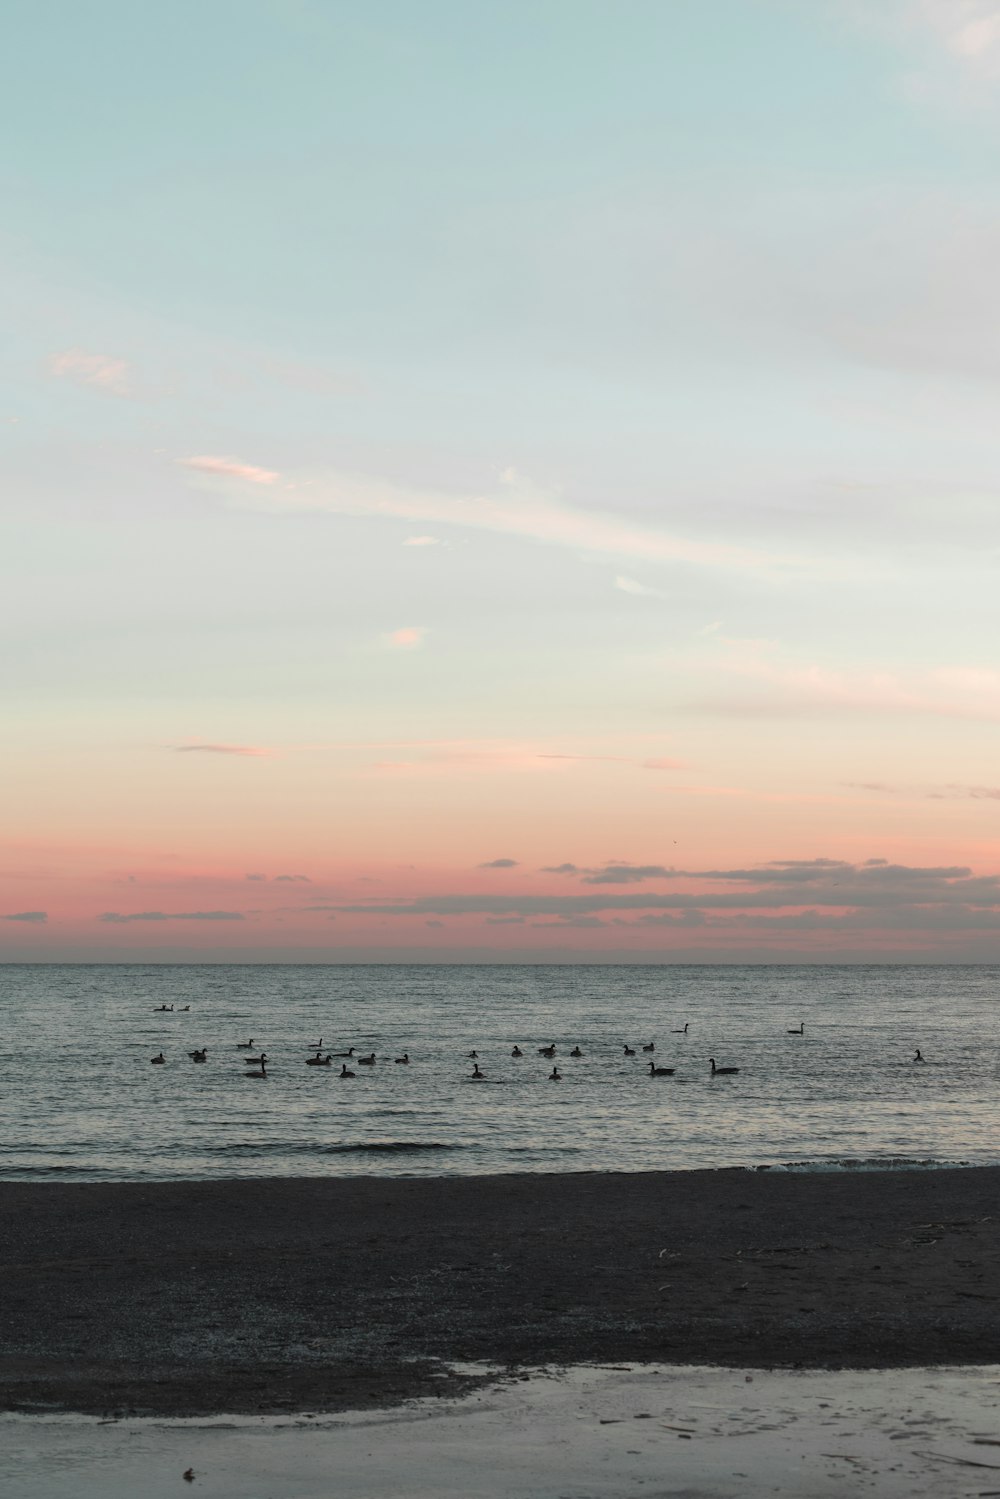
column 797, row 1030
column 683, row 1030
column 158, row 1061
column 517, row 1052
column 348, row 1053
column 555, row 1076
column 183, row 1009
column 630, row 1051
column 404, row 1060
column 256, row 1061
column 576, row 1052
column 261, row 1070
column 199, row 1056
column 472, row 1055
column 919, row 1057
column 319, row 1045
column 722, row 1071
column 367, row 1061
column 547, row 1051
column 655, row 1071
column 477, row 1076
column 650, row 1047
column 318, row 1061
column 344, row 1072
column 245, row 1045
column 162, row 1009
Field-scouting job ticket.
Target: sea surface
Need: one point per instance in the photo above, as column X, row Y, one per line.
column 80, row 1100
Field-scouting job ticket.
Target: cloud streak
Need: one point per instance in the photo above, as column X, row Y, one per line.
column 246, row 751
column 517, row 508
column 119, row 918
column 231, row 468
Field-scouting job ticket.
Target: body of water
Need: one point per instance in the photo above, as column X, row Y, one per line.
column 79, row 1098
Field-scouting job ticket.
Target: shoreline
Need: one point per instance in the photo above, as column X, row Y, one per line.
column 269, row 1295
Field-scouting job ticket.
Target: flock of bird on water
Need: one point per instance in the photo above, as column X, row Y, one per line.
column 327, row 1059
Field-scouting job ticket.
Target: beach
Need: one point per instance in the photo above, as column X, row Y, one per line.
column 270, row 1296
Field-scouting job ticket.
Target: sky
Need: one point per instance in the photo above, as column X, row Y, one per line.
column 500, row 482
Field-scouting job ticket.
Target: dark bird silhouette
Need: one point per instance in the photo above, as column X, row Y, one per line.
column 655, row 1071
column 722, row 1071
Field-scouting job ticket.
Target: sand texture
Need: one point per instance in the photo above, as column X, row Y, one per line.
column 275, row 1295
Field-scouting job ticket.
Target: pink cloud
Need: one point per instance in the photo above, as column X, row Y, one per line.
column 231, row 468
column 408, row 638
column 101, row 371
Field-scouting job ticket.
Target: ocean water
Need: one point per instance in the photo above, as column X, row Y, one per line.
column 79, row 1099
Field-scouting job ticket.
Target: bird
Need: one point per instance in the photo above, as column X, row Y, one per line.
column 797, row 1030
column 162, row 1009
column 919, row 1057
column 517, row 1052
column 188, row 1475
column 683, row 1029
column 344, row 1072
column 477, row 1076
column 404, row 1060
column 630, row 1051
column 576, row 1052
column 319, row 1045
column 655, row 1071
column 158, row 1061
column 367, row 1061
column 555, row 1076
column 348, row 1053
column 261, row 1071
column 245, row 1045
column 472, row 1055
column 722, row 1071
column 318, row 1061
column 183, row 1009
column 256, row 1061
column 650, row 1047
column 199, row 1056
column 547, row 1051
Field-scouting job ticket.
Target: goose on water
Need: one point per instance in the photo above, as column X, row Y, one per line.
column 477, row 1076
column 650, row 1047
column 547, row 1051
column 366, row 1061
column 517, row 1052
column 683, row 1030
column 318, row 1061
column 344, row 1071
column 199, row 1056
column 245, row 1045
column 797, row 1030
column 576, row 1052
column 261, row 1071
column 555, row 1076
column 722, row 1071
column 158, row 1061
column 630, row 1051
column 655, row 1071
column 472, row 1055
column 256, row 1061
column 919, row 1057
column 404, row 1060
column 348, row 1053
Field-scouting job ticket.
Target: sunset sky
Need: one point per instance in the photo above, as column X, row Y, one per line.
column 500, row 480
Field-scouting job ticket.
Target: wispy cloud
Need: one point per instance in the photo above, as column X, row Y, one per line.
column 247, row 751
column 968, row 29
column 292, row 879
column 120, row 918
column 639, row 590
column 499, row 864
column 34, row 918
column 231, row 468
column 101, row 372
column 409, row 638
column 516, row 508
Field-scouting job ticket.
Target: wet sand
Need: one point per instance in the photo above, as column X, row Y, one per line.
column 321, row 1295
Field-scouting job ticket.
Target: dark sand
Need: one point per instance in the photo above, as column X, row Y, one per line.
column 269, row 1295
